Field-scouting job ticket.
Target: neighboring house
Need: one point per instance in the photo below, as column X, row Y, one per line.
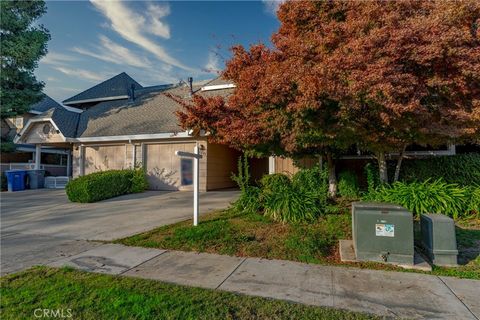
column 25, row 153
column 122, row 124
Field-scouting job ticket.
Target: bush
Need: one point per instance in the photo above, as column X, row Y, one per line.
column 462, row 169
column 373, row 179
column 313, row 181
column 474, row 200
column 139, row 181
column 249, row 199
column 291, row 201
column 105, row 184
column 425, row 197
column 287, row 204
column 348, row 185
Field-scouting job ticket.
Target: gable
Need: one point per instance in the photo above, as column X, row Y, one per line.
column 42, row 132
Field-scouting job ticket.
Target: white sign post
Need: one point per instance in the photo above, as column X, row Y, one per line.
column 196, row 156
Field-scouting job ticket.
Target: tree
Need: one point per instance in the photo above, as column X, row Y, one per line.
column 377, row 74
column 23, row 44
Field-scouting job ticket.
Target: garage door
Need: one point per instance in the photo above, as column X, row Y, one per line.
column 163, row 166
column 103, row 158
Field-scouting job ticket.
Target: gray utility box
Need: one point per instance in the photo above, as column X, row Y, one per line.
column 35, row 179
column 382, row 232
column 438, row 239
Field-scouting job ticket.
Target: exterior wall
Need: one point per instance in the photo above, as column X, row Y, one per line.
column 158, row 158
column 287, row 165
column 37, row 135
column 222, row 161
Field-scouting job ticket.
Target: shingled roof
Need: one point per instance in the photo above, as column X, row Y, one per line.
column 114, row 88
column 65, row 120
column 45, row 104
column 152, row 111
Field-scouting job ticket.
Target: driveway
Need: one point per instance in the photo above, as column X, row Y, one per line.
column 42, row 226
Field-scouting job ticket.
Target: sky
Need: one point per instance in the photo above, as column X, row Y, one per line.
column 154, row 42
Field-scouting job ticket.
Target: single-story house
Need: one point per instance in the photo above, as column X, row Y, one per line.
column 119, row 124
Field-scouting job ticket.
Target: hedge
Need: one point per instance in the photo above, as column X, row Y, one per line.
column 463, row 169
column 106, row 184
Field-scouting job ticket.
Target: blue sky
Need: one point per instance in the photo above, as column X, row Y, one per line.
column 154, row 42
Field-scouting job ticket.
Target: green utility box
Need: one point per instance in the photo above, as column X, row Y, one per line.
column 438, row 239
column 382, row 232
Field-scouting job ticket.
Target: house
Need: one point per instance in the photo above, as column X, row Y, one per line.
column 55, row 159
column 120, row 124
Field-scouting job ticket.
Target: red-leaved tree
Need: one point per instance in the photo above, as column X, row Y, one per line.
column 377, row 74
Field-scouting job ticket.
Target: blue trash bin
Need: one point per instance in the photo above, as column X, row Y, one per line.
column 16, row 180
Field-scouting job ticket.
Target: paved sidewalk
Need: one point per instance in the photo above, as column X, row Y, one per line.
column 392, row 294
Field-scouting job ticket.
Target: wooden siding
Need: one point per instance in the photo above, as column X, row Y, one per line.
column 288, row 166
column 222, row 161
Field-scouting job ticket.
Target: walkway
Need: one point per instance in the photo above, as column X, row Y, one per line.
column 397, row 294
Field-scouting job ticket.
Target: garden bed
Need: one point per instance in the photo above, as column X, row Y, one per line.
column 92, row 296
column 254, row 235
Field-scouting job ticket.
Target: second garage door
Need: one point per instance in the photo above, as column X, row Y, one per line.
column 163, row 166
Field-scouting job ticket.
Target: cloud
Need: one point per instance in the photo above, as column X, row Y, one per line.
column 53, row 58
column 113, row 52
column 155, row 26
column 82, row 74
column 133, row 26
column 271, row 6
column 213, row 63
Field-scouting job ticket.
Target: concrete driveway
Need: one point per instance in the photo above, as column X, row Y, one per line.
column 42, row 226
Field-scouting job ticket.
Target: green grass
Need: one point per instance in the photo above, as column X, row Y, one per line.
column 94, row 296
column 253, row 235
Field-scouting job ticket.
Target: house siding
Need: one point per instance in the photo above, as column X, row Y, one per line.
column 290, row 167
column 222, row 162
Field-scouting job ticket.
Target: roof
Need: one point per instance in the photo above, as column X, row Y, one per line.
column 45, row 104
column 65, row 120
column 114, row 88
column 153, row 111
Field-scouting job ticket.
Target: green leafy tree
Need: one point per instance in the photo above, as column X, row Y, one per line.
column 23, row 43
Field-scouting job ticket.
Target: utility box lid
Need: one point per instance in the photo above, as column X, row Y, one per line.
column 382, row 232
column 439, row 239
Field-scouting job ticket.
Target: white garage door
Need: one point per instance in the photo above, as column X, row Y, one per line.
column 101, row 158
column 163, row 166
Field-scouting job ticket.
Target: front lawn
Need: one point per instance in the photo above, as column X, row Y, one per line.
column 254, row 235
column 93, row 296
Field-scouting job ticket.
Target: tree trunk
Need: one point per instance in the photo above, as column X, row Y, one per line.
column 332, row 178
column 399, row 163
column 382, row 167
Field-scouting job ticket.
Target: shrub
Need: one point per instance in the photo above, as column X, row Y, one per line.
column 287, row 204
column 373, row 180
column 139, row 180
column 105, row 184
column 463, row 169
column 474, row 200
column 313, row 181
column 348, row 185
column 425, row 197
column 249, row 199
column 274, row 182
